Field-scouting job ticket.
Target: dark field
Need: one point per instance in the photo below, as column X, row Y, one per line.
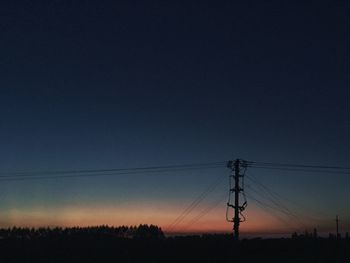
column 147, row 244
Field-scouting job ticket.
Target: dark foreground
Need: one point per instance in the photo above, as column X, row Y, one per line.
column 92, row 247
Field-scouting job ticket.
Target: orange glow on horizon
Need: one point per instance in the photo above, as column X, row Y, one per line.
column 140, row 213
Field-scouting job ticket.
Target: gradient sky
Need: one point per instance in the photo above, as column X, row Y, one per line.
column 126, row 84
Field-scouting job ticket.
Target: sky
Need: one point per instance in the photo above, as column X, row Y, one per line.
column 122, row 84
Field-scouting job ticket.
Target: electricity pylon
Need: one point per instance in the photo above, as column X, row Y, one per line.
column 237, row 189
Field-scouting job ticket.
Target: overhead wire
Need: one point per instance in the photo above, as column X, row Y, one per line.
column 194, row 203
column 252, row 163
column 105, row 172
column 269, row 194
column 265, row 207
column 300, row 167
column 299, row 170
column 278, row 196
column 111, row 169
column 266, row 193
column 205, row 211
column 278, row 208
column 35, row 175
column 275, row 198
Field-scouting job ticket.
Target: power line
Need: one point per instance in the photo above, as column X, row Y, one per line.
column 278, row 207
column 274, row 200
column 205, row 212
column 94, row 173
column 35, row 175
column 195, row 203
column 265, row 207
column 279, row 197
column 300, row 170
column 271, row 195
column 24, row 173
column 237, row 189
column 252, row 163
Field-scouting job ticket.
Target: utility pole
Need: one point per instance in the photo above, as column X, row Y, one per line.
column 235, row 167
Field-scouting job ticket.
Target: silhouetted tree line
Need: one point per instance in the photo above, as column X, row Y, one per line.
column 135, row 232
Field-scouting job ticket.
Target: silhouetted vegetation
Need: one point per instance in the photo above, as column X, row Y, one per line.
column 148, row 244
column 141, row 232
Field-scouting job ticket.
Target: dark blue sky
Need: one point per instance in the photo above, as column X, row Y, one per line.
column 126, row 84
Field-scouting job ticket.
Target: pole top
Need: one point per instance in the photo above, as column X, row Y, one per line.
column 232, row 163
